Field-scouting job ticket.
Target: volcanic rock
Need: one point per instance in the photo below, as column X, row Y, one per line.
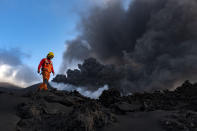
column 109, row 97
column 52, row 110
column 70, row 111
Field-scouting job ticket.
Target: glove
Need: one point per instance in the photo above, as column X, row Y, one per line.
column 38, row 72
column 53, row 73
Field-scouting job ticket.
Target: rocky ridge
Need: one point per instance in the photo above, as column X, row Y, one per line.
column 70, row 111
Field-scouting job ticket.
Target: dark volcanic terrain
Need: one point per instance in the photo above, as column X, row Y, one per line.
column 53, row 110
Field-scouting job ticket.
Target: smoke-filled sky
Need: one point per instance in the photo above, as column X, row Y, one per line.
column 154, row 41
column 29, row 29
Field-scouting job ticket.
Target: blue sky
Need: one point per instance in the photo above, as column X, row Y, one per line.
column 35, row 27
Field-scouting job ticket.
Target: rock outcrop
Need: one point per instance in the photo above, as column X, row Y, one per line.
column 65, row 111
column 69, row 111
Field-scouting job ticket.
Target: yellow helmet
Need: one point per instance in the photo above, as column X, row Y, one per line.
column 50, row 55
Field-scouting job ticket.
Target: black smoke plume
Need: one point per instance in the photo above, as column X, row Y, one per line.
column 154, row 42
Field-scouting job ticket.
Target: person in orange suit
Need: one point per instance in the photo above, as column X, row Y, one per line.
column 46, row 66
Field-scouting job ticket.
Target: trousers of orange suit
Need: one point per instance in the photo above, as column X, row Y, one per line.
column 45, row 76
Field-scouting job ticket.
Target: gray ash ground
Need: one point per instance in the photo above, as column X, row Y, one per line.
column 55, row 110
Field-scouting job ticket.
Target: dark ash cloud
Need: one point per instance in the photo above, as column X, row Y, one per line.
column 154, row 41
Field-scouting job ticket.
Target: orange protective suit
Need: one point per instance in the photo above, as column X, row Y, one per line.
column 47, row 68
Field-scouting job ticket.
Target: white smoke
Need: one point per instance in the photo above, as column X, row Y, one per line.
column 82, row 90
